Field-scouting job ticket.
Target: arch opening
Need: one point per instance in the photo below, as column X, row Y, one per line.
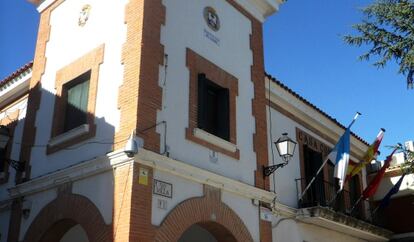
column 65, row 230
column 207, row 232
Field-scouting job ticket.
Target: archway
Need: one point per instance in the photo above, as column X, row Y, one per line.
column 207, row 232
column 69, row 216
column 206, row 215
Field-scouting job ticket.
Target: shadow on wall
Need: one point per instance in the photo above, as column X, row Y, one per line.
column 66, row 133
column 63, row 131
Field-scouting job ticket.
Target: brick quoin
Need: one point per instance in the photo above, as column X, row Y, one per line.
column 29, row 129
column 140, row 95
column 208, row 212
column 259, row 111
column 66, row 211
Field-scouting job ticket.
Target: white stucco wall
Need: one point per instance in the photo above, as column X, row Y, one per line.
column 184, row 28
column 38, row 202
column 68, row 42
column 99, row 190
column 182, row 190
column 246, row 211
column 293, row 231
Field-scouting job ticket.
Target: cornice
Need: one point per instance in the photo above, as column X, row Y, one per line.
column 260, row 9
column 158, row 162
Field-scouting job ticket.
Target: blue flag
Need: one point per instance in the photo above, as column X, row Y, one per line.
column 387, row 199
column 339, row 156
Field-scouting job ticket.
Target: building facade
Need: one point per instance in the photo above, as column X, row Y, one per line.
column 184, row 81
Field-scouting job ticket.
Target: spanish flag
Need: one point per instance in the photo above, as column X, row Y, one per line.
column 368, row 157
column 373, row 186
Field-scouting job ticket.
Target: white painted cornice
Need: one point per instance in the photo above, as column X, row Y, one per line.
column 260, row 9
column 192, row 173
column 73, row 173
column 16, row 87
column 158, row 162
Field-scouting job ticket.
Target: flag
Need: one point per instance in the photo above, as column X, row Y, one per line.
column 373, row 186
column 339, row 156
column 386, row 200
column 368, row 157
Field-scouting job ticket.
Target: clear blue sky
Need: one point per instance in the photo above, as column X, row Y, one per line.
column 303, row 49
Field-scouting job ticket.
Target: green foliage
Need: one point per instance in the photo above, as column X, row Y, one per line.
column 408, row 166
column 388, row 28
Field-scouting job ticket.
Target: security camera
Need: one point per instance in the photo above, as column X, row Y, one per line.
column 131, row 147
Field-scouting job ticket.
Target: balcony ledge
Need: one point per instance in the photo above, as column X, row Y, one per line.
column 330, row 219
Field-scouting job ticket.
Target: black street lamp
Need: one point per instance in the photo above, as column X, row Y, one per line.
column 4, row 140
column 286, row 148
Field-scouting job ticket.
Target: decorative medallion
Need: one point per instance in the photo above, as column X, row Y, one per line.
column 84, row 15
column 211, row 18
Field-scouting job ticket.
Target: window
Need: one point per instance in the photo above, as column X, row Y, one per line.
column 76, row 95
column 76, row 91
column 213, row 108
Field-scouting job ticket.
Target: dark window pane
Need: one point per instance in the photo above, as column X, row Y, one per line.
column 213, row 108
column 77, row 102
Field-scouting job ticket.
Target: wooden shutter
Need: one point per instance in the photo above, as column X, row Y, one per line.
column 202, row 92
column 223, row 129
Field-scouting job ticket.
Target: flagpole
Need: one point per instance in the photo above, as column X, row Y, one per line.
column 324, row 163
column 348, row 177
column 356, row 203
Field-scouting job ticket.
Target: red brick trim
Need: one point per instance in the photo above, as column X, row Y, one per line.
column 208, row 212
column 66, row 211
column 198, row 64
column 89, row 62
column 39, row 64
column 260, row 145
column 29, row 130
column 140, row 96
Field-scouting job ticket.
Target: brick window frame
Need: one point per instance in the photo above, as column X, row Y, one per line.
column 196, row 65
column 89, row 62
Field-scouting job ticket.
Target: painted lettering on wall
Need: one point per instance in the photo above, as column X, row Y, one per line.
column 211, row 37
column 313, row 143
column 162, row 188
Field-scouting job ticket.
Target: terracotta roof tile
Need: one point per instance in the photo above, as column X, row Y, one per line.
column 16, row 74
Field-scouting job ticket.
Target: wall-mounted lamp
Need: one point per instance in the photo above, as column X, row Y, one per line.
column 286, row 148
column 4, row 140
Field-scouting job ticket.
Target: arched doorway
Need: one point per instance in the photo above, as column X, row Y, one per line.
column 69, row 217
column 65, row 230
column 207, row 232
column 76, row 233
column 199, row 216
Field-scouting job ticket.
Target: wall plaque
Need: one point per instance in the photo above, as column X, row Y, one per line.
column 162, row 188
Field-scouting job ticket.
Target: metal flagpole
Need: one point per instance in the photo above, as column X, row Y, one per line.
column 357, row 202
column 324, row 163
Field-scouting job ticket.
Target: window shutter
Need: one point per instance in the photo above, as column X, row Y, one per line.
column 202, row 110
column 223, row 114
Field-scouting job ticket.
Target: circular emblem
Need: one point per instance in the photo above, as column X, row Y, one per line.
column 84, row 15
column 211, row 18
